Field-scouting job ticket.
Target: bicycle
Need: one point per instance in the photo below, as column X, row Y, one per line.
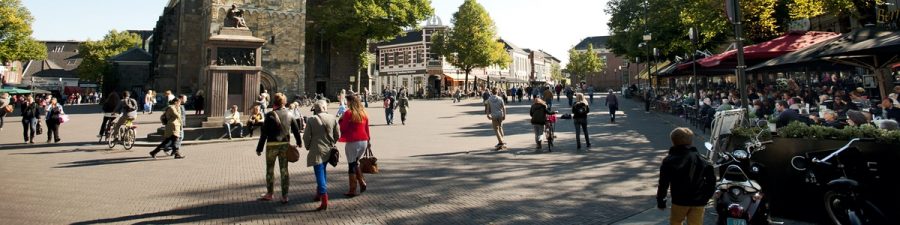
column 548, row 130
column 125, row 137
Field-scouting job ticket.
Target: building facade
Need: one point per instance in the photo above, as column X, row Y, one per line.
column 180, row 44
column 11, row 72
column 58, row 73
column 613, row 72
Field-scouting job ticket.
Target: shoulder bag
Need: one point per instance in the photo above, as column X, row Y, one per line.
column 293, row 153
column 334, row 156
column 368, row 163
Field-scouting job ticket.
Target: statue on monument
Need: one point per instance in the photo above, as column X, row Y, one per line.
column 235, row 17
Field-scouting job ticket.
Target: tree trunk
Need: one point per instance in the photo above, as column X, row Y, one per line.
column 466, row 82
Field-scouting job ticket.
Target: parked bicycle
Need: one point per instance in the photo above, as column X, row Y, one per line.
column 549, row 129
column 845, row 177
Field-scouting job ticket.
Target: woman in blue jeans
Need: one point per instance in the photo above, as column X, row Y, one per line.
column 321, row 133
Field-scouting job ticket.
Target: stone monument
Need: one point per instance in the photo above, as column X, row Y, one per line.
column 233, row 67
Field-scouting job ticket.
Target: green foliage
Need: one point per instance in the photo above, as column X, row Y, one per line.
column 798, row 129
column 16, row 42
column 582, row 63
column 746, row 133
column 804, row 9
column 350, row 23
column 96, row 53
column 556, row 72
column 472, row 42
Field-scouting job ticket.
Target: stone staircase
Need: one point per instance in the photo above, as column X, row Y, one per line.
column 197, row 128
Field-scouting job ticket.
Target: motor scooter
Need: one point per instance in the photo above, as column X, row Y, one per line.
column 739, row 197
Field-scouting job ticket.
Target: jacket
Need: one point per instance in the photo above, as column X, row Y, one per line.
column 352, row 131
column 580, row 117
column 612, row 101
column 538, row 114
column 53, row 113
column 275, row 132
column 30, row 111
column 675, row 172
column 174, row 121
column 403, row 104
column 321, row 133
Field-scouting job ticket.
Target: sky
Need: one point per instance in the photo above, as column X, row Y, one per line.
column 554, row 26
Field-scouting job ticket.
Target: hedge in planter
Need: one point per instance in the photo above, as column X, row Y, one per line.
column 798, row 129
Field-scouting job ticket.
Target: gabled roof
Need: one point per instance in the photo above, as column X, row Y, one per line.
column 409, row 37
column 61, row 63
column 132, row 55
column 510, row 46
column 597, row 41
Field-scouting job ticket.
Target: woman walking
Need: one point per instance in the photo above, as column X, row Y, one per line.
column 30, row 116
column 404, row 106
column 579, row 115
column 354, row 127
column 54, row 112
column 275, row 136
column 539, row 112
column 173, row 119
column 321, row 133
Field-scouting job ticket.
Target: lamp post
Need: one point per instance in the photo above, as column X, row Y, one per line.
column 61, row 86
column 656, row 64
column 694, row 35
column 734, row 14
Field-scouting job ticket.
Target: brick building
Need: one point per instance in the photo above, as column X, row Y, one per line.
column 180, row 43
column 611, row 75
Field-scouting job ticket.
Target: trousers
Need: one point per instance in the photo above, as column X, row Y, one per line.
column 321, row 182
column 277, row 150
column 581, row 127
column 497, row 125
column 29, row 128
column 693, row 214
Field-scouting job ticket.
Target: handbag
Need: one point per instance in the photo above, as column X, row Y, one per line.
column 293, row 153
column 334, row 155
column 63, row 118
column 9, row 108
column 368, row 163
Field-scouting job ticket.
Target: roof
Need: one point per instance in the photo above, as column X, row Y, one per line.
column 132, row 55
column 62, row 63
column 779, row 46
column 548, row 55
column 510, row 46
column 596, row 41
column 409, row 37
column 791, row 60
column 866, row 41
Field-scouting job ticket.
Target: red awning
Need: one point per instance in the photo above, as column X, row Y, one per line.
column 69, row 90
column 770, row 49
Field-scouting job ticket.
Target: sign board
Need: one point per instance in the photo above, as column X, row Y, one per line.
column 87, row 85
column 730, row 9
column 403, row 72
column 722, row 124
column 799, row 25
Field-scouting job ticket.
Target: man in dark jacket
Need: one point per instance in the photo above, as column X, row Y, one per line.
column 691, row 178
column 613, row 103
column 31, row 114
column 109, row 108
column 785, row 114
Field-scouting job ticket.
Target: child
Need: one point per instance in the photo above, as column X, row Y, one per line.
column 690, row 191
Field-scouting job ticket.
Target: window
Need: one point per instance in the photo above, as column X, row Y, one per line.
column 58, row 48
column 70, row 62
column 397, row 58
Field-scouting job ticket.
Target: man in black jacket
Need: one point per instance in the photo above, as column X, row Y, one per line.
column 785, row 114
column 31, row 114
column 691, row 178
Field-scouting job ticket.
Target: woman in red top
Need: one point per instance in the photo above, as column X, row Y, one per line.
column 355, row 133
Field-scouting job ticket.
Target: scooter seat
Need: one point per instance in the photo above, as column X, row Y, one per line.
column 843, row 183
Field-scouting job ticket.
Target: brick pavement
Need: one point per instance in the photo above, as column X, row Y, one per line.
column 438, row 170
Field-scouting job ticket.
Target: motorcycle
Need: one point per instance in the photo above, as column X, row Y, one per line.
column 739, row 197
column 844, row 180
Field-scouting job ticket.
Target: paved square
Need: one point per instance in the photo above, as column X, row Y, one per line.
column 438, row 169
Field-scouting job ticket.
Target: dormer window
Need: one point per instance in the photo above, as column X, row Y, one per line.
column 58, row 48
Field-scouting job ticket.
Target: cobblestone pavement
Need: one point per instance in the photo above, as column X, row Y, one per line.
column 438, row 169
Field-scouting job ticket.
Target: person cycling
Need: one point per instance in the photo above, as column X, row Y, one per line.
column 128, row 110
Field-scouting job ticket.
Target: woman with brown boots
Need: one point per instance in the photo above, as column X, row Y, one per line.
column 354, row 125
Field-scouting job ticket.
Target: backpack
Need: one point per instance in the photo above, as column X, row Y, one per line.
column 580, row 109
column 702, row 184
column 163, row 119
column 130, row 105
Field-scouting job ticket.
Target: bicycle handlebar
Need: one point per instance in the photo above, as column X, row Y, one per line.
column 835, row 153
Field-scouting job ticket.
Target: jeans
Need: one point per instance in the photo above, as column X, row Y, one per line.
column 583, row 126
column 538, row 133
column 550, row 104
column 592, row 97
column 29, row 127
column 321, row 182
column 612, row 112
column 52, row 130
column 389, row 115
column 570, row 100
column 239, row 127
column 277, row 150
column 106, row 120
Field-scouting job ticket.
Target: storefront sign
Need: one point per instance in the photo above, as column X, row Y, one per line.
column 87, row 85
column 404, row 72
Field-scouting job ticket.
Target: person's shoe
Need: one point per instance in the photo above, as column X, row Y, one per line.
column 178, row 156
column 317, row 198
column 31, row 142
column 153, row 154
column 265, row 197
column 284, row 200
column 56, row 141
column 578, row 147
column 48, row 140
column 588, row 145
column 229, row 138
column 324, row 205
column 352, row 192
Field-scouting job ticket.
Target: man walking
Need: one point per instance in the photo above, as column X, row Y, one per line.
column 559, row 89
column 389, row 104
column 496, row 112
column 691, row 178
column 569, row 94
column 590, row 91
column 613, row 103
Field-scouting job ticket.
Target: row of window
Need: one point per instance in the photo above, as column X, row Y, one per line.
column 389, row 58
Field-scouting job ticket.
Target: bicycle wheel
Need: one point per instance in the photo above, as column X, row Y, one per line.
column 110, row 140
column 128, row 141
column 549, row 133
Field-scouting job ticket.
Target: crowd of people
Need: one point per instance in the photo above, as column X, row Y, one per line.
column 37, row 111
column 833, row 102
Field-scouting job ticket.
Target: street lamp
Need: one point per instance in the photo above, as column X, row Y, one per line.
column 694, row 35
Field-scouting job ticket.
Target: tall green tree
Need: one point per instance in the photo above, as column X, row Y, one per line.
column 95, row 54
column 16, row 42
column 583, row 63
column 556, row 72
column 472, row 42
column 351, row 23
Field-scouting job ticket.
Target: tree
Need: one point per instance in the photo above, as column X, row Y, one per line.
column 350, row 23
column 472, row 42
column 556, row 72
column 16, row 42
column 582, row 63
column 95, row 54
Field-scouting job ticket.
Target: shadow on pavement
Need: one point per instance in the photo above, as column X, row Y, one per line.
column 101, row 162
column 38, row 145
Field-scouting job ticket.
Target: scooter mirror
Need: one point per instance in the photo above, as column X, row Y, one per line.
column 709, row 146
column 799, row 163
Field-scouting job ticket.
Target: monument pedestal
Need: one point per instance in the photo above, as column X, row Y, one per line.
column 233, row 71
